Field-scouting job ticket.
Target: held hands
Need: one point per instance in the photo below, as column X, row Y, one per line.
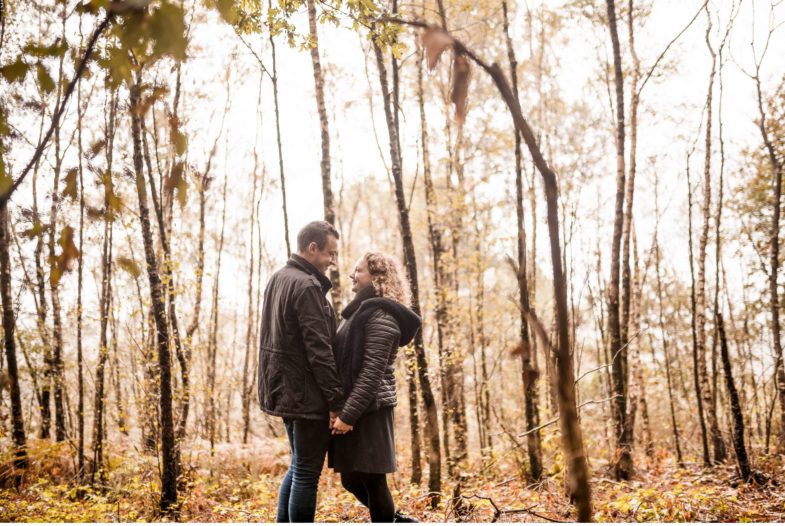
column 339, row 427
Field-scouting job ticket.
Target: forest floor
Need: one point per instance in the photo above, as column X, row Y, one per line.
column 240, row 483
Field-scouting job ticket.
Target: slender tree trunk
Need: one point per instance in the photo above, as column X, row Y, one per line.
column 623, row 464
column 119, row 396
column 54, row 288
column 41, row 310
column 9, row 326
column 410, row 260
column 695, row 354
column 203, row 182
column 168, row 283
column 774, row 250
column 169, row 466
column 274, row 79
column 247, row 388
column 79, row 357
column 99, row 431
column 663, row 334
column 435, row 239
column 329, row 206
column 212, row 345
column 709, row 403
column 528, row 356
column 738, row 418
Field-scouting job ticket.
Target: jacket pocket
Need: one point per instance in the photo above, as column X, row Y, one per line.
column 283, row 385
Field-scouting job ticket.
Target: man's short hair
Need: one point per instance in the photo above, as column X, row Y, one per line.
column 315, row 232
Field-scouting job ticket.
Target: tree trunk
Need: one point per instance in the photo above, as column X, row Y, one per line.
column 695, row 354
column 774, row 250
column 212, row 345
column 528, row 357
column 572, row 440
column 738, row 418
column 99, row 431
column 54, row 288
column 709, row 403
column 274, row 79
column 247, row 387
column 79, row 357
column 119, row 396
column 9, row 326
column 623, row 464
column 663, row 334
column 169, row 466
column 41, row 310
column 169, row 284
column 329, row 206
column 432, row 418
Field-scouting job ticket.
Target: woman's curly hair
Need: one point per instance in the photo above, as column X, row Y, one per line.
column 388, row 280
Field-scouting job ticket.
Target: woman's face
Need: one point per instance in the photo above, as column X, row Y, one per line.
column 361, row 278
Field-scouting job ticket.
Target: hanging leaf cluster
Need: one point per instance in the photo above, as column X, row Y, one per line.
column 435, row 41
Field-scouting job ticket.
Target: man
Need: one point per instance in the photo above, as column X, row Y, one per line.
column 297, row 377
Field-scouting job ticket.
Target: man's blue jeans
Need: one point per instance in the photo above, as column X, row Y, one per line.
column 308, row 440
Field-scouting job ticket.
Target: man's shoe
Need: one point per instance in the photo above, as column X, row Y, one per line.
column 400, row 517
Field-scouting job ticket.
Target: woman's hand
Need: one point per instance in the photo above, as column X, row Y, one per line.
column 340, row 427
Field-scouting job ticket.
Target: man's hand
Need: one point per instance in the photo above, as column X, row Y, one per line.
column 340, row 427
column 333, row 416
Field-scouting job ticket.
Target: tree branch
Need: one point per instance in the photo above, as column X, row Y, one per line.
column 61, row 109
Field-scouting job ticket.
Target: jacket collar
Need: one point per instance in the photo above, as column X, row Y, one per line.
column 408, row 321
column 365, row 293
column 301, row 263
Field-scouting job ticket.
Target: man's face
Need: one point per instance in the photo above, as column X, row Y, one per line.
column 323, row 258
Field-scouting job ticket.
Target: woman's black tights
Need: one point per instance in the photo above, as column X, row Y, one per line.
column 371, row 489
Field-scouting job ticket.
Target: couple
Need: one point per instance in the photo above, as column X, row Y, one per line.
column 334, row 387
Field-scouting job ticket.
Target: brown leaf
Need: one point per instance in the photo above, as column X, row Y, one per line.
column 435, row 42
column 70, row 189
column 65, row 261
column 460, row 85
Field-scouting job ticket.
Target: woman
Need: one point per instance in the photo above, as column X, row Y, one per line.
column 375, row 324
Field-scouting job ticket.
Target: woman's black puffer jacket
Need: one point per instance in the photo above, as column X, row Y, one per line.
column 366, row 346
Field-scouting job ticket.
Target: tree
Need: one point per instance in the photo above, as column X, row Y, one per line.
column 528, row 357
column 324, row 128
column 9, row 327
column 623, row 463
column 169, row 467
column 437, row 40
column 705, row 391
column 410, row 262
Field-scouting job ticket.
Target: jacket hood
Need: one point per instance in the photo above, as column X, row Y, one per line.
column 408, row 321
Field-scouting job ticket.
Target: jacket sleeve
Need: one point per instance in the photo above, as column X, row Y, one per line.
column 381, row 338
column 309, row 306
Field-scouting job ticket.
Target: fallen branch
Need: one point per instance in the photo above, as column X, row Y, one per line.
column 498, row 512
